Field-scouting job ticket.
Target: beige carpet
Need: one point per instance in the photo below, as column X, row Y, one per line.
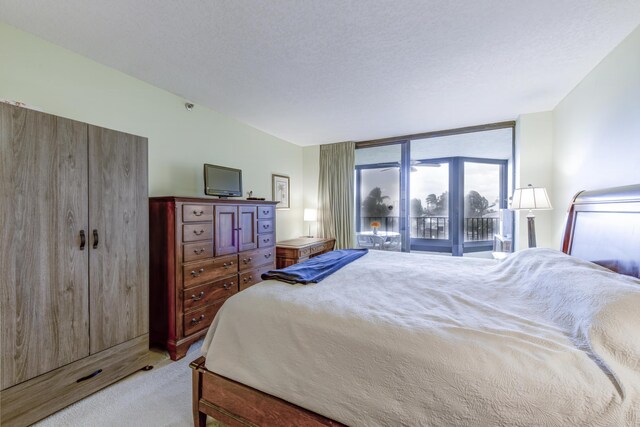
column 160, row 397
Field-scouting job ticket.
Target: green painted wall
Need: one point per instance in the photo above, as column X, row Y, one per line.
column 63, row 83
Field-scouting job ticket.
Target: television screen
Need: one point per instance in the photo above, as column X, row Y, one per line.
column 222, row 181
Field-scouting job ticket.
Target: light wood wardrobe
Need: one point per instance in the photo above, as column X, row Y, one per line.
column 74, row 261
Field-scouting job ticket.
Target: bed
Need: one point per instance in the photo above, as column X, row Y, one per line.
column 541, row 338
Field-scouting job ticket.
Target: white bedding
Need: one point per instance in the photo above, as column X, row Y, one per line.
column 406, row 339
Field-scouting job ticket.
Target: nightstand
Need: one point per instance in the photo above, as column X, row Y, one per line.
column 289, row 252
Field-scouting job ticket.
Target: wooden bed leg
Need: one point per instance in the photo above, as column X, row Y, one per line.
column 199, row 418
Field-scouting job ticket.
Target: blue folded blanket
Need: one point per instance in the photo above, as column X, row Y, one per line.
column 316, row 268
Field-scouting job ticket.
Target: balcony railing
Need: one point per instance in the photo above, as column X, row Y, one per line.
column 436, row 227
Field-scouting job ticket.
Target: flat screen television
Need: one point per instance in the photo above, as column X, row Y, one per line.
column 222, row 181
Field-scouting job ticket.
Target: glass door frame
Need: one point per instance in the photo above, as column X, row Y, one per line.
column 455, row 243
column 403, row 202
column 405, row 141
column 437, row 245
column 460, row 246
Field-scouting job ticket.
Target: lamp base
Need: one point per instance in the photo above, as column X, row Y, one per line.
column 531, row 227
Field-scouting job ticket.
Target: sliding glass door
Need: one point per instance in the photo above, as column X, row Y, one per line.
column 430, row 220
column 437, row 193
column 380, row 201
column 485, row 193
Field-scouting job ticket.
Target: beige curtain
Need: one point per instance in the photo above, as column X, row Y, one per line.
column 336, row 193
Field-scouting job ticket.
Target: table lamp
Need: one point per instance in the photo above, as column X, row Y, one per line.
column 310, row 215
column 530, row 198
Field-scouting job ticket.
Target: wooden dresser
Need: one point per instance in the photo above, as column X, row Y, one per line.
column 289, row 252
column 202, row 252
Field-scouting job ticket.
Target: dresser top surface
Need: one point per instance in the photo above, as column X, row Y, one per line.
column 302, row 242
column 233, row 201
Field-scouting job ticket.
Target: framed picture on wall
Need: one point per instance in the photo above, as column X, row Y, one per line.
column 280, row 190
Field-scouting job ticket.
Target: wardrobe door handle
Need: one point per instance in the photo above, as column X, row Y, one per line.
column 83, row 240
column 95, row 239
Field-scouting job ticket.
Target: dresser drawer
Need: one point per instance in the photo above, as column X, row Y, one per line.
column 196, row 251
column 317, row 249
column 194, row 232
column 252, row 277
column 265, row 212
column 252, row 259
column 265, row 226
column 200, row 319
column 266, row 240
column 202, row 295
column 206, row 271
column 304, row 252
column 193, row 213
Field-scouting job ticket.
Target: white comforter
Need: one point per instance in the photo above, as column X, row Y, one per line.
column 407, row 339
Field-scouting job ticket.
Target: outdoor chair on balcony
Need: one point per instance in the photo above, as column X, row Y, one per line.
column 391, row 243
column 367, row 241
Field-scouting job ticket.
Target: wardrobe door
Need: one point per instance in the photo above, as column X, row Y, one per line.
column 226, row 230
column 247, row 234
column 118, row 236
column 44, row 310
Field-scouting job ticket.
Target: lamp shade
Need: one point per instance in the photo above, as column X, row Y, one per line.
column 531, row 198
column 310, row 215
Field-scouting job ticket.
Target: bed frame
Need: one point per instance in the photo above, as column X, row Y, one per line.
column 603, row 227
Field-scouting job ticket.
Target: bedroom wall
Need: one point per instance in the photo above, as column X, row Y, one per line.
column 311, row 173
column 597, row 130
column 534, row 148
column 61, row 82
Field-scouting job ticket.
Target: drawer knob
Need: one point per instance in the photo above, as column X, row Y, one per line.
column 266, row 240
column 197, row 233
column 199, row 251
column 195, row 321
column 267, row 255
column 198, row 213
column 228, row 286
column 265, row 211
column 265, row 226
column 247, row 260
column 199, row 297
column 196, row 274
column 248, row 279
column 227, row 264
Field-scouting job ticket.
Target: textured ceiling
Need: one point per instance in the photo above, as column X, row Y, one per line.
column 318, row 71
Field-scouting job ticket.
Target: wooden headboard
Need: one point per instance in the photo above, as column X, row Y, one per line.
column 603, row 226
